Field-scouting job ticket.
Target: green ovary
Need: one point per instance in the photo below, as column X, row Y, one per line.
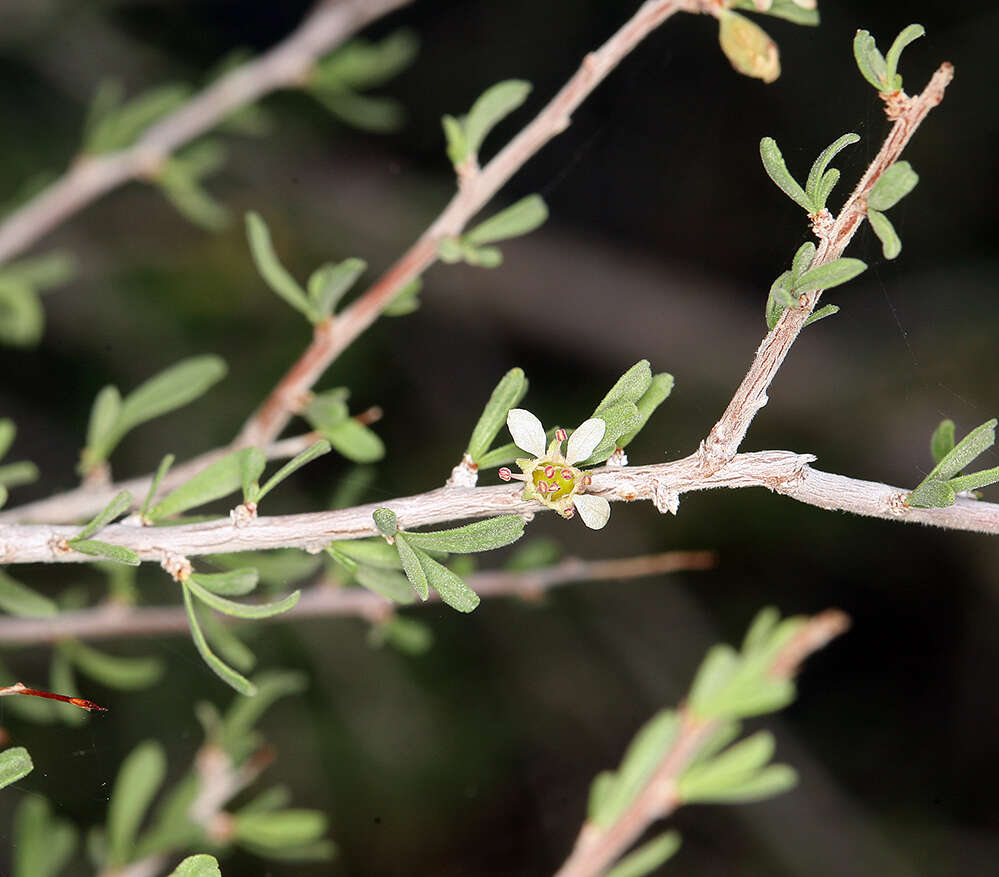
column 558, row 481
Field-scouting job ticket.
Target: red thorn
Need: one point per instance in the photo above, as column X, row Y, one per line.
column 75, row 701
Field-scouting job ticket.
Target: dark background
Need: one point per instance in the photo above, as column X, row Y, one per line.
column 664, row 237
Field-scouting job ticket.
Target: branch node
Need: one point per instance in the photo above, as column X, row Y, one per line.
column 243, row 515
column 465, row 474
column 665, row 497
column 176, row 566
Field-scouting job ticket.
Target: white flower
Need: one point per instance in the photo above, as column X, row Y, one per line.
column 551, row 478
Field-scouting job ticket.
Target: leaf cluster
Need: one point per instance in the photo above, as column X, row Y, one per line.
column 802, row 278
column 940, row 488
column 466, row 134
column 821, row 178
column 881, row 70
column 22, row 318
column 474, row 248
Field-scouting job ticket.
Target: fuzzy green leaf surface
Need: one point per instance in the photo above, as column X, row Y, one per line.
column 15, row 764
column 649, row 856
column 275, row 275
column 125, row 674
column 881, row 225
column 451, row 588
column 42, row 843
column 117, row 553
column 484, row 535
column 507, row 394
column 965, row 451
column 332, row 282
column 276, row 830
column 242, row 610
column 870, row 61
column 895, row 183
column 137, row 782
column 411, row 566
column 942, row 440
column 221, row 478
column 518, row 219
column 822, row 313
column 910, row 33
column 814, row 186
column 355, row 441
column 389, row 583
column 774, row 165
column 22, row 318
column 118, row 506
column 234, row 583
column 657, row 393
column 492, row 106
column 201, row 865
column 830, row 274
column 232, row 678
column 307, row 456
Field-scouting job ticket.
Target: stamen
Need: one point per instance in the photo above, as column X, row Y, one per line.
column 566, row 474
column 505, row 474
column 560, row 434
column 542, row 487
column 568, row 513
column 587, row 480
column 549, row 471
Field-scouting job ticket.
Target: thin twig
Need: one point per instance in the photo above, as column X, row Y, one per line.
column 780, row 471
column 285, row 65
column 475, row 191
column 597, row 848
column 727, row 434
column 327, row 600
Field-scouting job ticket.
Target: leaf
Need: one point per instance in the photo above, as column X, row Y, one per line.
column 234, row 583
column 242, row 610
column 773, row 164
column 830, row 274
column 657, row 393
column 814, row 185
column 881, row 225
column 409, row 636
column 104, row 415
column 172, row 388
column 646, row 858
column 252, row 467
column 971, row 446
column 779, row 299
column 821, row 314
column 7, row 433
column 620, row 419
column 118, row 506
column 21, row 316
column 454, row 137
column 786, row 9
column 331, row 282
column 116, row 126
column 630, row 387
column 492, row 106
column 717, row 668
column 908, row 35
column 117, row 553
column 975, row 480
column 355, row 441
column 894, row 184
column 183, row 190
column 828, row 182
column 801, row 262
column 482, row 257
column 284, row 828
column 42, row 844
column 235, row 680
column 41, row 272
column 363, row 64
column 516, row 220
column 370, row 552
column 870, row 61
column 452, row 590
column 307, row 456
column 748, row 47
column 772, row 780
column 942, row 441
column 221, row 478
column 411, row 566
column 229, row 647
column 385, row 521
column 15, row 764
column 154, row 485
column 273, row 272
column 377, row 114
column 406, row 300
column 17, row 599
column 484, row 535
column 127, row 674
column 3, row 496
column 507, row 394
column 242, row 715
column 137, row 782
column 390, row 584
column 201, row 865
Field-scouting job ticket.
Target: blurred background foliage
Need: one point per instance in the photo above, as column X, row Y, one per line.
column 664, row 237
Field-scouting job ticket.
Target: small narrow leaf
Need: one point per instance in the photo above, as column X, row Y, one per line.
column 235, row 583
column 17, row 599
column 271, row 269
column 971, row 446
column 484, row 535
column 630, row 387
column 492, row 106
column 117, row 553
column 355, row 441
column 831, row 274
column 390, row 584
column 507, row 394
column 881, row 225
column 870, row 61
column 137, row 782
column 822, row 313
column 908, row 35
column 894, row 184
column 371, row 552
column 385, row 521
column 452, row 589
column 454, row 136
column 293, row 465
column 516, row 220
column 201, row 865
column 15, row 764
column 779, row 299
column 815, row 175
column 277, row 830
column 975, row 480
column 103, row 415
column 331, row 282
column 773, row 164
column 828, row 182
column 235, row 680
column 406, row 301
column 649, row 856
column 657, row 393
column 242, row 610
column 127, row 674
column 42, row 843
column 221, row 478
column 411, row 566
column 942, row 441
column 172, row 388
column 7, row 433
column 118, row 506
column 803, row 259
column 22, row 318
column 154, row 487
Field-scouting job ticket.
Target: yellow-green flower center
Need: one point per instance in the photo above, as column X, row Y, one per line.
column 554, row 482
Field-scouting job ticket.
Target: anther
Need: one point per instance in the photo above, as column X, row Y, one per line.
column 560, row 434
column 505, row 474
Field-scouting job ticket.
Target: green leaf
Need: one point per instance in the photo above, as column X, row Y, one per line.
column 127, row 674
column 331, row 282
column 272, row 271
column 40, row 272
column 454, row 136
column 975, row 480
column 104, row 415
column 7, row 433
column 275, row 830
column 870, row 61
column 355, row 441
column 42, row 843
column 137, row 782
column 912, row 32
column 802, row 261
column 779, row 299
column 221, row 478
column 17, row 599
column 971, row 446
column 646, row 858
column 828, row 182
column 117, row 553
column 3, row 496
column 830, row 274
column 328, row 409
column 364, row 64
column 406, row 300
column 118, row 506
column 242, row 610
column 717, row 668
column 452, row 590
column 942, row 441
column 492, row 106
column 370, row 552
column 390, row 584
column 251, row 468
column 114, row 126
column 409, row 636
column 482, row 257
column 182, row 189
column 226, row 644
column 508, row 392
column 242, row 715
column 516, row 220
column 201, row 865
column 234, row 583
column 15, row 764
column 815, row 176
column 235, row 680
column 894, row 184
column 822, row 313
column 657, row 393
column 385, row 521
column 620, row 420
column 154, row 486
column 786, row 9
column 630, row 387
column 773, row 164
column 293, row 465
column 484, row 535
column 377, row 114
column 881, row 225
column 21, row 316
column 63, row 680
column 411, row 566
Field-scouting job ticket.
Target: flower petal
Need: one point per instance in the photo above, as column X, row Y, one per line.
column 527, row 431
column 594, row 510
column 584, row 440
